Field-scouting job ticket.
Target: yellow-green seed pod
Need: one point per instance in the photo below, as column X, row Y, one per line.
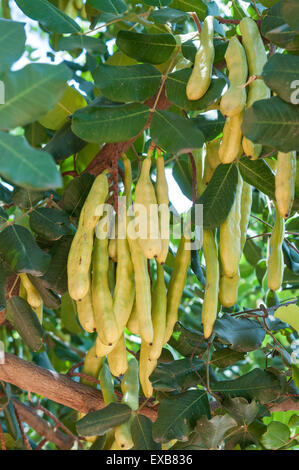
column 176, row 285
column 275, row 262
column 133, row 324
column 102, row 301
column 201, row 75
column 85, row 313
column 231, row 139
column 33, row 297
column 79, row 258
column 246, row 202
column 285, row 180
column 117, row 358
column 92, row 365
column 211, row 160
column 159, row 314
column 230, row 236
column 228, row 290
column 256, row 59
column 164, row 212
column 146, row 367
column 210, row 303
column 146, row 212
column 102, row 349
column 234, row 100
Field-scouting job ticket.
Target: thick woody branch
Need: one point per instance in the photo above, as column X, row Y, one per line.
column 30, row 416
column 54, row 386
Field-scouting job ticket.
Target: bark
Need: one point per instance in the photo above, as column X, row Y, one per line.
column 54, row 386
column 30, row 416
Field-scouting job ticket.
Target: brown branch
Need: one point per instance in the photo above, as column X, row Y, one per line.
column 54, row 386
column 30, row 416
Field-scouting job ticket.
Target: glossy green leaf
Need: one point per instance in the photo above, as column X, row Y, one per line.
column 277, row 436
column 273, row 122
column 168, row 15
column 116, row 7
column 178, row 414
column 290, row 13
column 48, row 15
column 100, row 124
column 56, row 275
column 211, row 124
column 89, row 43
column 218, row 197
column 97, row 423
column 20, row 251
column 258, row 174
column 157, row 3
column 127, row 83
column 226, row 357
column 24, row 320
column 182, row 173
column 177, row 375
column 152, row 48
column 64, row 143
column 275, row 29
column 12, row 42
column 68, row 313
column 280, row 73
column 198, row 6
column 210, row 433
column 241, row 334
column 48, row 223
column 31, row 92
column 25, row 166
column 176, row 91
column 242, row 411
column 76, row 192
column 289, row 314
column 175, row 133
column 142, row 434
column 51, row 299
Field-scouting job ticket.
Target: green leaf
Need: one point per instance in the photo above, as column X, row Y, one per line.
column 48, row 15
column 50, row 299
column 168, row 15
column 241, row 334
column 289, row 314
column 100, row 124
column 64, row 143
column 279, row 73
column 157, row 3
column 178, row 414
column 176, row 91
column 211, row 124
column 12, row 42
column 56, row 275
column 99, row 422
column 50, row 224
column 142, row 434
column 257, row 384
column 242, row 411
column 175, row 133
column 226, row 357
column 276, row 436
column 152, row 48
column 186, row 341
column 76, row 192
column 290, row 13
column 275, row 29
column 218, row 197
column 258, row 174
column 89, row 43
column 25, row 166
column 197, row 6
column 24, row 320
column 272, row 122
column 295, row 375
column 31, row 92
column 211, row 432
column 20, row 251
column 127, row 83
column 177, row 375
column 182, row 173
column 116, row 7
column 68, row 313
column 25, row 198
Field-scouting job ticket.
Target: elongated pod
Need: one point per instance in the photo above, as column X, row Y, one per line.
column 210, row 303
column 159, row 314
column 85, row 313
column 33, row 297
column 231, row 139
column 117, row 358
column 228, row 289
column 201, row 75
column 285, row 180
column 275, row 262
column 146, row 367
column 164, row 212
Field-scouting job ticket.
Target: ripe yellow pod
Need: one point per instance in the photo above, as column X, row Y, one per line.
column 112, row 249
column 246, row 202
column 200, row 78
column 159, row 314
column 275, row 262
column 164, row 212
column 102, row 301
column 256, row 59
column 230, row 236
column 211, row 160
column 145, row 198
column 234, row 100
column 133, row 324
column 85, row 313
column 92, row 365
column 117, row 358
column 176, row 285
column 79, row 258
column 231, row 139
column 102, row 349
column 228, row 290
column 146, row 367
column 32, row 295
column 39, row 312
column 210, row 303
column 285, row 180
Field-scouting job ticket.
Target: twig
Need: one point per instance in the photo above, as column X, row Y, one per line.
column 196, row 21
column 25, row 438
column 41, row 444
